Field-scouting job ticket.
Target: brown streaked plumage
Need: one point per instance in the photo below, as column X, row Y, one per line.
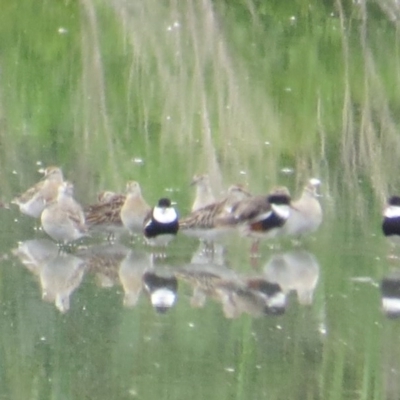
column 204, row 223
column 34, row 200
column 105, row 215
column 261, row 213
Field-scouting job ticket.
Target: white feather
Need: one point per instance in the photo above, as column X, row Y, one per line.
column 283, row 211
column 392, row 212
column 164, row 215
column 391, row 305
column 163, row 298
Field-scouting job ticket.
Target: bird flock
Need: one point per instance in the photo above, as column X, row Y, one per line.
column 256, row 216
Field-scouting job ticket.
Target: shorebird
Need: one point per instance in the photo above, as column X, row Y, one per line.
column 305, row 213
column 63, row 219
column 391, row 217
column 204, row 194
column 104, row 216
column 34, row 200
column 135, row 209
column 204, row 223
column 261, row 216
column 161, row 224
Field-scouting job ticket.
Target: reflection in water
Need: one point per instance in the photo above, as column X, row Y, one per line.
column 162, row 287
column 236, row 294
column 59, row 277
column 103, row 261
column 209, row 255
column 59, row 273
column 390, row 292
column 131, row 271
column 113, row 264
column 34, row 253
column 296, row 270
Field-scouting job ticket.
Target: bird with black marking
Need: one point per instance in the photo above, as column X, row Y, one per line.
column 161, row 224
column 261, row 217
column 204, row 222
column 391, row 217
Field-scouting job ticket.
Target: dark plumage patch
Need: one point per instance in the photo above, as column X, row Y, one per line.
column 154, row 282
column 278, row 199
column 271, row 222
column 391, row 226
column 394, row 201
column 155, row 228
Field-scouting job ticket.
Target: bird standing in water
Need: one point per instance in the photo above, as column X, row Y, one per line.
column 161, row 224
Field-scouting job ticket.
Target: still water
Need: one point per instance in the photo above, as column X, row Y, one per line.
column 254, row 93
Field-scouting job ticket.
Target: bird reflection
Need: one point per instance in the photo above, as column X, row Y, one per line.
column 296, row 270
column 203, row 255
column 59, row 277
column 59, row 273
column 162, row 287
column 34, row 253
column 237, row 294
column 131, row 271
column 390, row 292
column 103, row 260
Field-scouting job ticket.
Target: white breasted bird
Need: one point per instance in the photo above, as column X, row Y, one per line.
column 391, row 217
column 161, row 224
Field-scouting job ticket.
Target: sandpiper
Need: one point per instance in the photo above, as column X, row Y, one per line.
column 63, row 219
column 34, row 200
column 306, row 212
column 204, row 194
column 204, row 223
column 104, row 216
column 161, row 224
column 134, row 209
column 261, row 216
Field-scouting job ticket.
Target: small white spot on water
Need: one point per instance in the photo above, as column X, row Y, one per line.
column 62, row 31
column 279, row 327
column 229, row 369
column 191, row 325
column 288, row 89
column 322, row 329
column 287, row 171
column 39, row 163
column 43, row 339
column 267, row 143
column 15, row 172
column 133, row 392
column 168, row 117
column 242, row 172
column 138, row 160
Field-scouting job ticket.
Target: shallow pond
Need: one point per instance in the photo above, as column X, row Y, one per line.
column 252, row 93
